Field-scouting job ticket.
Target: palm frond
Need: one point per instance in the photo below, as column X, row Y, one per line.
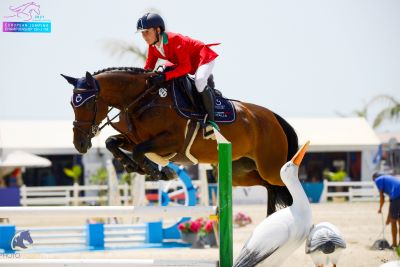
column 363, row 112
column 389, row 100
column 389, row 113
column 121, row 48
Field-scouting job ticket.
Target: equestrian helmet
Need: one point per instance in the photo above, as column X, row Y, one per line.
column 150, row 20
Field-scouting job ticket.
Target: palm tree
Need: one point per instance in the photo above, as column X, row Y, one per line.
column 120, row 48
column 391, row 111
column 363, row 112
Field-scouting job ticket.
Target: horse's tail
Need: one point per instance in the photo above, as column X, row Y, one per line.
column 279, row 196
column 291, row 136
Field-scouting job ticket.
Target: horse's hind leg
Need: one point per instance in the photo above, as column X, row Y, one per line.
column 277, row 195
column 113, row 144
column 242, row 173
column 270, row 156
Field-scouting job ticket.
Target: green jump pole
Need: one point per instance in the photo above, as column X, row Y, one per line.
column 225, row 201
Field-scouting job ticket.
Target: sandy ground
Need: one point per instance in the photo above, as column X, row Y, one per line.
column 359, row 222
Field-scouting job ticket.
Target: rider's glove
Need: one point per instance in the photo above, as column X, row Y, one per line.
column 156, row 80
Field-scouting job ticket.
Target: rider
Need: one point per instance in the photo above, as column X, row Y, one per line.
column 190, row 56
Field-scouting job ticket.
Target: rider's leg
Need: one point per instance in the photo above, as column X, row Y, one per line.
column 209, row 100
column 207, row 94
column 200, row 79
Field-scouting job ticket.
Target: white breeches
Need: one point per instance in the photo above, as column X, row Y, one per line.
column 202, row 74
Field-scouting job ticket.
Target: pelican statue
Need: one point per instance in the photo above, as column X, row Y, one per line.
column 281, row 233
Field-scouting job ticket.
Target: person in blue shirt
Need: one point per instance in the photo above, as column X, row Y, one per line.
column 390, row 185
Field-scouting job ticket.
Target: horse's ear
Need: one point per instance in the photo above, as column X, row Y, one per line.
column 70, row 80
column 90, row 80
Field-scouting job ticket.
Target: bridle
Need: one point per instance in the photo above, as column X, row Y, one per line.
column 94, row 128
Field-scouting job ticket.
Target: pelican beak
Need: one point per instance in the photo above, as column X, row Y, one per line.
column 300, row 154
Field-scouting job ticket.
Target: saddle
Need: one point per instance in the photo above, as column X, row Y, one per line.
column 189, row 104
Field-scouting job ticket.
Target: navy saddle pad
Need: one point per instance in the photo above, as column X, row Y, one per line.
column 224, row 109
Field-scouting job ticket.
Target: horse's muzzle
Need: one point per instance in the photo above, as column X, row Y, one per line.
column 82, row 145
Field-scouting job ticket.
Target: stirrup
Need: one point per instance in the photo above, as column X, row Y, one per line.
column 208, row 129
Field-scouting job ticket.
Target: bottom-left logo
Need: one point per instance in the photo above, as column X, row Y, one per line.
column 21, row 240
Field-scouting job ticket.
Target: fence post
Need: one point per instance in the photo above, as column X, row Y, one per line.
column 204, row 193
column 125, row 197
column 7, row 233
column 76, row 194
column 95, row 235
column 22, row 191
column 154, row 232
column 323, row 198
column 225, row 200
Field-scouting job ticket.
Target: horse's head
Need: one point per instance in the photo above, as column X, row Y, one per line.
column 89, row 109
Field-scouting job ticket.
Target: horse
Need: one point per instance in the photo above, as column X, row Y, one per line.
column 150, row 127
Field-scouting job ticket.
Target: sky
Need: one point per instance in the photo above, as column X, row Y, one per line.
column 308, row 58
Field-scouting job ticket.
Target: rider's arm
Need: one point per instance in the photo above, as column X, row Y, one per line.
column 151, row 60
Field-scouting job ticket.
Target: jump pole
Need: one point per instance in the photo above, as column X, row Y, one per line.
column 225, row 200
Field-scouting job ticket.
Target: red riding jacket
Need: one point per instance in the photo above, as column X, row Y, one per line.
column 184, row 52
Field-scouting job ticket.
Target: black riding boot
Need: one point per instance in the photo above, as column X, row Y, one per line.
column 208, row 101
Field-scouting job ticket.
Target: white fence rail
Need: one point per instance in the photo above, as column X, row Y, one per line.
column 72, row 195
column 149, row 212
column 354, row 191
column 105, row 263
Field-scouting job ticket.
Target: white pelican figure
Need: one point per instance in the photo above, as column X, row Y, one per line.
column 325, row 243
column 281, row 233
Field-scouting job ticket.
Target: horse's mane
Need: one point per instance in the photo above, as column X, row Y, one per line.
column 132, row 70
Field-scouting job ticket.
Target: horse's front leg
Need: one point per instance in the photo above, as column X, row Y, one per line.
column 113, row 144
column 161, row 145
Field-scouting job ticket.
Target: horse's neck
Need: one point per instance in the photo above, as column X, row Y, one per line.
column 121, row 95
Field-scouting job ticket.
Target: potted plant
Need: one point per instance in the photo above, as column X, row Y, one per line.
column 240, row 219
column 207, row 233
column 190, row 232
column 74, row 173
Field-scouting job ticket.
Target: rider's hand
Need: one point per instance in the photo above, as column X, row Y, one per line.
column 380, row 211
column 156, row 80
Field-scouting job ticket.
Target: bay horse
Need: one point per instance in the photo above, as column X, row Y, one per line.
column 262, row 141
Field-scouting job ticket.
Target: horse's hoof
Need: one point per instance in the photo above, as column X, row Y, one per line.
column 169, row 174
column 130, row 169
